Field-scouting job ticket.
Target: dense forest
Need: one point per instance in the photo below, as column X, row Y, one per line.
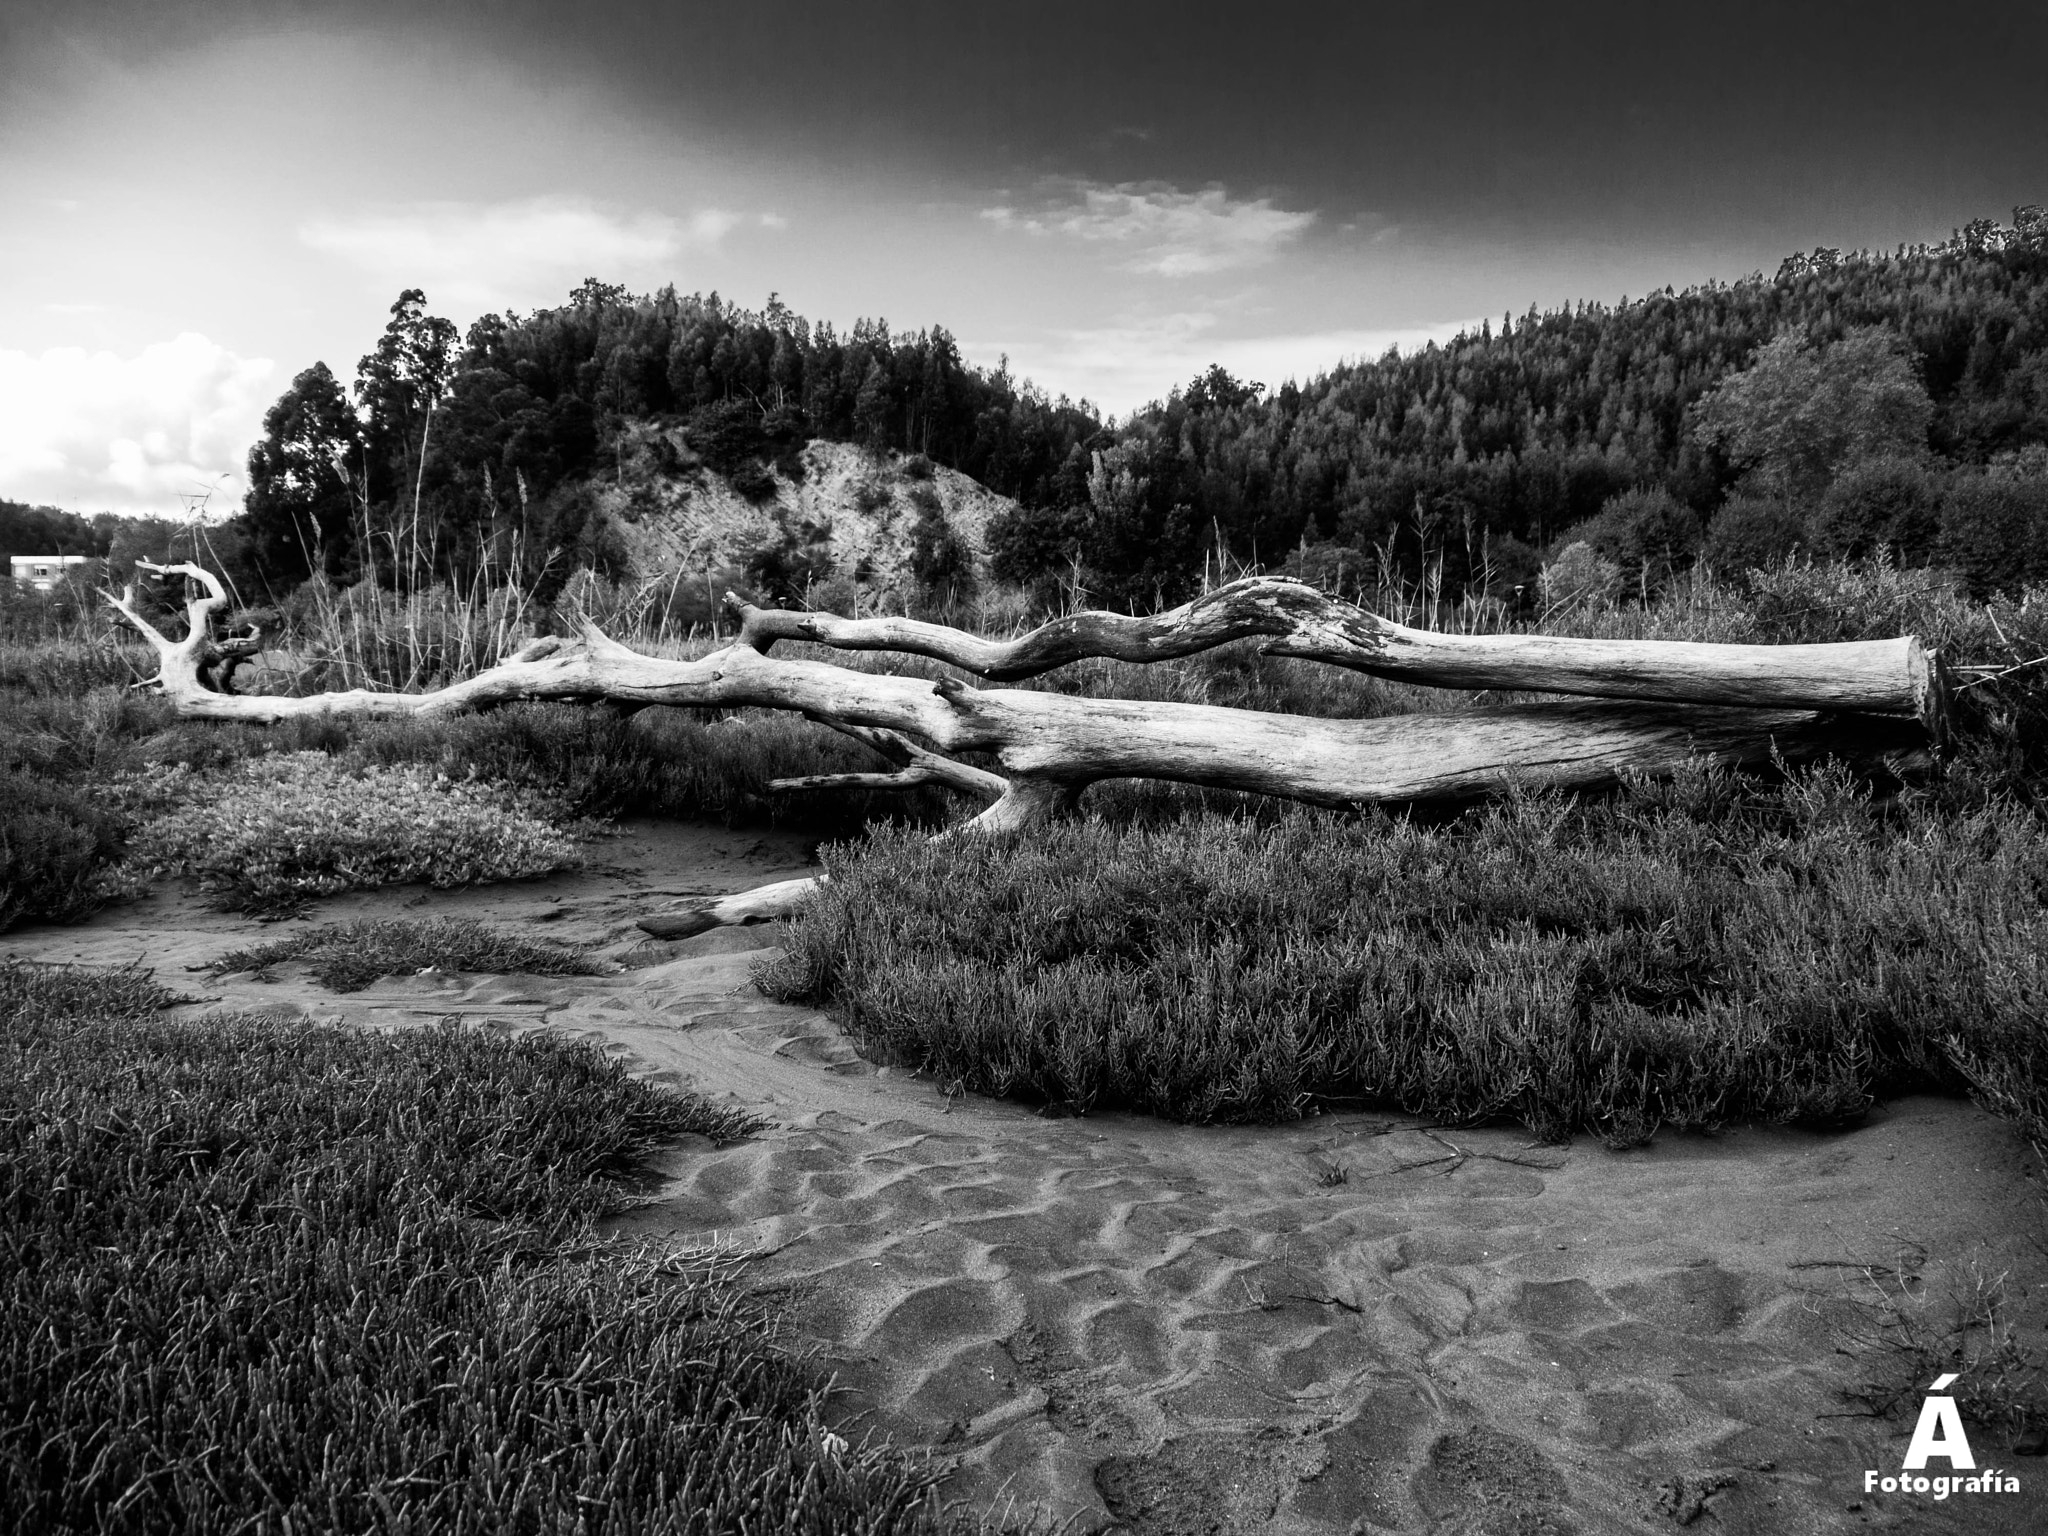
column 1847, row 401
column 1848, row 404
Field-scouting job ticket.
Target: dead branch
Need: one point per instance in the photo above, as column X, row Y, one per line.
column 763, row 904
column 918, row 766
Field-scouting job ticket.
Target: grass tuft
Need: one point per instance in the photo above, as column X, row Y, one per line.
column 265, row 1278
column 347, row 957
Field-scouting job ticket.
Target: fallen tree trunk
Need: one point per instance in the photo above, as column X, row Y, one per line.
column 1889, row 677
column 1051, row 746
column 1069, row 741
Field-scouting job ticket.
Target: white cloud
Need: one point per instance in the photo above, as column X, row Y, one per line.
column 712, row 225
column 1139, row 359
column 99, row 432
column 526, row 253
column 1168, row 232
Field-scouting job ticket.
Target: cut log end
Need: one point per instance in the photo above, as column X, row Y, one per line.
column 1933, row 687
column 763, row 904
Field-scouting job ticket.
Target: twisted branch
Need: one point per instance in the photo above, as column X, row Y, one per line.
column 178, row 661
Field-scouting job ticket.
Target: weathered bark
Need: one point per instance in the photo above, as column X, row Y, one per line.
column 1053, row 745
column 1891, row 677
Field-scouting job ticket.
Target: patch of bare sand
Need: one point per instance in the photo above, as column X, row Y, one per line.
column 1352, row 1323
column 642, row 865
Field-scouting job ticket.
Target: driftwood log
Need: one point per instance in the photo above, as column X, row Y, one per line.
column 1643, row 706
column 1890, row 677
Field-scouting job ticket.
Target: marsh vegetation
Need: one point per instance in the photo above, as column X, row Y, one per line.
column 266, row 1278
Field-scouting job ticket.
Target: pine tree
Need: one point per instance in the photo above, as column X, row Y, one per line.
column 303, row 476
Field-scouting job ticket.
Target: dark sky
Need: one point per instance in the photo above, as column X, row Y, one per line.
column 1613, row 119
column 1110, row 194
column 1619, row 120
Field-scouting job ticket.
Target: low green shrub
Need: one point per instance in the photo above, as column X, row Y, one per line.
column 349, row 956
column 1648, row 535
column 295, row 825
column 87, row 734
column 871, row 493
column 1684, row 954
column 1578, row 577
column 1814, row 603
column 57, row 847
column 68, row 668
column 72, row 610
column 941, row 562
column 1893, row 504
column 266, row 1278
column 1751, row 534
column 1994, row 530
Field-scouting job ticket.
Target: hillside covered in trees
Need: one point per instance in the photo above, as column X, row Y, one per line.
column 1846, row 404
column 460, row 456
column 1846, row 401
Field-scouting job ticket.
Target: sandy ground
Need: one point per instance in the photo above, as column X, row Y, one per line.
column 1350, row 1324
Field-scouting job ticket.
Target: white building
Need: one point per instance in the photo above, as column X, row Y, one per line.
column 42, row 571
